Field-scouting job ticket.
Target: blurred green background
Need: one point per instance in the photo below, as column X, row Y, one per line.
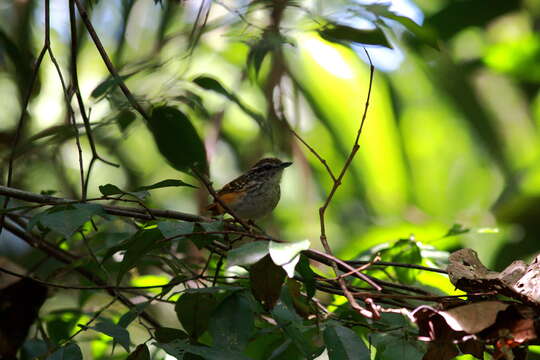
column 451, row 134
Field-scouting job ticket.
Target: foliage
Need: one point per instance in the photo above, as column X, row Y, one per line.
column 107, row 156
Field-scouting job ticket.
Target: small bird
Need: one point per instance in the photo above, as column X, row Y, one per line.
column 254, row 194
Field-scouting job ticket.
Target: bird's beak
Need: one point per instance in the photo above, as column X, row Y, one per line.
column 285, row 164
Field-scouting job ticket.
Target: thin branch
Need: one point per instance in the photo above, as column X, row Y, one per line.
column 337, row 183
column 105, row 57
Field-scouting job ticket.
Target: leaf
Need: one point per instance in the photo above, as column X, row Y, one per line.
column 287, row 255
column 141, row 243
column 176, row 348
column 177, row 140
column 308, row 275
column 342, row 33
column 475, row 317
column 140, row 353
column 193, row 311
column 212, row 353
column 171, row 229
column 67, row 352
column 247, row 254
column 456, row 229
column 209, row 83
column 167, row 335
column 422, row 33
column 232, row 323
column 118, row 333
column 66, row 219
column 266, row 280
column 124, row 119
column 106, row 85
column 202, row 240
column 343, row 343
column 110, row 189
column 132, row 314
column 165, row 183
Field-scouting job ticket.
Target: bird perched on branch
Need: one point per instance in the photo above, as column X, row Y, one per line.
column 254, row 194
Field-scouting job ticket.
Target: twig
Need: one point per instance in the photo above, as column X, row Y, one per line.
column 337, row 183
column 105, row 57
column 24, row 107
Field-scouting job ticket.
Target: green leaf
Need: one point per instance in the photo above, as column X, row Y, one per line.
column 165, row 183
column 110, row 189
column 287, row 255
column 177, row 140
column 308, row 275
column 202, row 240
column 140, row 353
column 232, row 323
column 266, row 280
column 107, row 85
column 171, row 229
column 342, row 33
column 404, row 251
column 167, row 335
column 456, row 229
column 141, row 243
column 66, row 219
column 422, row 33
column 193, row 311
column 67, row 352
column 343, row 343
column 132, row 314
column 209, row 83
column 124, row 119
column 180, row 348
column 61, row 323
column 247, row 254
column 118, row 333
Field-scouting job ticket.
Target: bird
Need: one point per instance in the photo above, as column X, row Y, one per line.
column 254, row 194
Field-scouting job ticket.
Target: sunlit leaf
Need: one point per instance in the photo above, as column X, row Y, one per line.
column 247, row 254
column 287, row 255
column 177, row 140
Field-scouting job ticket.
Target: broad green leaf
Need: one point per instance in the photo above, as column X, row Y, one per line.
column 266, row 280
column 177, row 140
column 167, row 335
column 247, row 254
column 110, row 189
column 193, row 311
column 67, row 352
column 118, row 333
column 171, row 229
column 141, row 243
column 67, row 219
column 343, row 343
column 342, row 33
column 140, row 353
column 287, row 255
column 232, row 323
column 165, row 183
column 175, row 348
column 107, row 85
column 397, row 346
